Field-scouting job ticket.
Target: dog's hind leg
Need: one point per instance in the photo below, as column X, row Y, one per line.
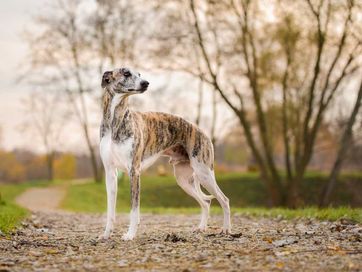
column 111, row 186
column 207, row 179
column 185, row 179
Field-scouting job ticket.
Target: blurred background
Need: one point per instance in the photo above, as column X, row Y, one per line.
column 277, row 85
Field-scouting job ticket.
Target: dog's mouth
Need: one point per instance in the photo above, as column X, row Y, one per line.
column 140, row 90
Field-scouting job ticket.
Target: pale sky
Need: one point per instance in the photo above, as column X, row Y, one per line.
column 15, row 16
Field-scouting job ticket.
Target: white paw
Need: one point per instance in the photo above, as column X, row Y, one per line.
column 103, row 237
column 127, row 236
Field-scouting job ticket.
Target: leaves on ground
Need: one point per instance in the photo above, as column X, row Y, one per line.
column 66, row 242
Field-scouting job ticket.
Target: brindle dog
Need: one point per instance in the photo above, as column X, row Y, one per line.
column 132, row 140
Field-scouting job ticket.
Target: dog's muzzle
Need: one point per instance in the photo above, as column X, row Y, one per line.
column 144, row 85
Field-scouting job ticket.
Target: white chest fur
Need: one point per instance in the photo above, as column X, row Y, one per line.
column 116, row 155
column 115, row 101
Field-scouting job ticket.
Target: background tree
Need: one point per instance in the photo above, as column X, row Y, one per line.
column 172, row 39
column 251, row 54
column 47, row 120
column 65, row 167
column 343, row 148
column 10, row 169
column 250, row 68
column 74, row 46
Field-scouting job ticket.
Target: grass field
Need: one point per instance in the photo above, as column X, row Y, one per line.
column 10, row 213
column 246, row 193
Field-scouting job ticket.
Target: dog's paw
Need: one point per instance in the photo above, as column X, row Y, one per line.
column 200, row 229
column 127, row 236
column 104, row 237
column 226, row 231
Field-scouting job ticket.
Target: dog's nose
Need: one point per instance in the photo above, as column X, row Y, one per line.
column 144, row 84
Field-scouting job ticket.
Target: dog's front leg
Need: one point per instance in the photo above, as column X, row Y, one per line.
column 111, row 186
column 134, row 175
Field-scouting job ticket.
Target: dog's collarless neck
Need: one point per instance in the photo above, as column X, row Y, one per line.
column 115, row 108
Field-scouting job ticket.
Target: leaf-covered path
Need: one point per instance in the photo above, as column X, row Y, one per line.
column 67, row 242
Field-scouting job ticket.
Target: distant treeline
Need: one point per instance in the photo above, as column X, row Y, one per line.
column 23, row 165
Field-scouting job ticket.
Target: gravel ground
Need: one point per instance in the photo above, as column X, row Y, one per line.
column 67, row 242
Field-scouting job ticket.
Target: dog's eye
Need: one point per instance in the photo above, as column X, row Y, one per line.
column 127, row 74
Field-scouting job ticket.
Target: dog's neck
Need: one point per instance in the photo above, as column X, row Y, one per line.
column 115, row 106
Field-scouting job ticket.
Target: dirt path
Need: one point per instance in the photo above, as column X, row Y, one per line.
column 67, row 242
column 42, row 199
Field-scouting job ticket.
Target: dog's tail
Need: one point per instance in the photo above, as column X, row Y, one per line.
column 203, row 195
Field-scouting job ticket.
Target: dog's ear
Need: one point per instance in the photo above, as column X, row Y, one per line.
column 107, row 78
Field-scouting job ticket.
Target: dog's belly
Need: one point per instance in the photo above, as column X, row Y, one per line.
column 116, row 155
column 147, row 162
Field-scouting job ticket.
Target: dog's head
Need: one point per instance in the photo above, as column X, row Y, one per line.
column 124, row 81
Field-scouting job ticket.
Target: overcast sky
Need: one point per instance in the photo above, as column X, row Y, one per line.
column 15, row 16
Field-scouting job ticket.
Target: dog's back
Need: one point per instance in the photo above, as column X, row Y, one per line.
column 169, row 133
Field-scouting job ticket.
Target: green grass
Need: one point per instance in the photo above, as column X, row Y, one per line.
column 10, row 213
column 246, row 193
column 158, row 192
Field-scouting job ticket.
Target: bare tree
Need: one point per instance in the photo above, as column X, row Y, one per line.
column 46, row 119
column 171, row 39
column 307, row 93
column 115, row 30
column 73, row 47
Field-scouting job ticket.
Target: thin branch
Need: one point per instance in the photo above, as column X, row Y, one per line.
column 207, row 59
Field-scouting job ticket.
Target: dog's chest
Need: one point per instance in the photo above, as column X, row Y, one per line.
column 116, row 154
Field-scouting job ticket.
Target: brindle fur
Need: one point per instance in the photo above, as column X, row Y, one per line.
column 161, row 132
column 156, row 134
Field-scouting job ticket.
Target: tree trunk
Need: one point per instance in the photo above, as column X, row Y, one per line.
column 346, row 139
column 294, row 199
column 274, row 188
column 50, row 165
column 96, row 171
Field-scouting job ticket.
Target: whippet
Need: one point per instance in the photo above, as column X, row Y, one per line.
column 131, row 141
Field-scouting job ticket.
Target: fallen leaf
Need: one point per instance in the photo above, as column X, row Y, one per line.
column 122, row 263
column 284, row 242
column 51, row 251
